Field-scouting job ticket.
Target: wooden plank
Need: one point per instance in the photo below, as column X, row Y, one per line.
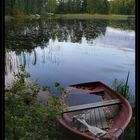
column 103, row 118
column 92, row 117
column 98, row 119
column 92, row 105
column 89, row 116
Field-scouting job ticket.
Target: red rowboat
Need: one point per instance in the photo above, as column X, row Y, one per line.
column 94, row 108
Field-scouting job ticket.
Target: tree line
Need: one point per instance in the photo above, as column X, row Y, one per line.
column 126, row 7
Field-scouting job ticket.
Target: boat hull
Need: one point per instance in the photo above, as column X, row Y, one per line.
column 119, row 121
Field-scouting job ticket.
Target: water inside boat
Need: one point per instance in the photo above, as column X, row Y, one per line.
column 76, row 99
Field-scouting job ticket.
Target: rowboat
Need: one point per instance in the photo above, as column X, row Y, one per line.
column 95, row 111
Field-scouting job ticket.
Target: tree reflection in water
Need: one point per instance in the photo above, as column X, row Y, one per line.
column 25, row 37
column 34, row 33
column 37, row 41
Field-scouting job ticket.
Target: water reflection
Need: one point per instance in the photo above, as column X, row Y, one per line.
column 39, row 32
column 31, row 34
column 70, row 51
column 123, row 24
column 118, row 38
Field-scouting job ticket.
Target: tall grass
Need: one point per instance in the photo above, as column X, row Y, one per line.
column 122, row 87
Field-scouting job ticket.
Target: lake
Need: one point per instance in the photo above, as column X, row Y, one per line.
column 71, row 51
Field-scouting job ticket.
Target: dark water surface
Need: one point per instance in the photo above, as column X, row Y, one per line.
column 71, row 51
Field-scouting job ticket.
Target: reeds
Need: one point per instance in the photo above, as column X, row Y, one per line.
column 122, row 87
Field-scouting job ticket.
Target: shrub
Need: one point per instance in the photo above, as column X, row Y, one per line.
column 25, row 117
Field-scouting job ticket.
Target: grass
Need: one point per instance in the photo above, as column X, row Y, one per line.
column 79, row 16
column 92, row 16
column 24, row 17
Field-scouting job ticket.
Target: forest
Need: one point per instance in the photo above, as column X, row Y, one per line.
column 27, row 7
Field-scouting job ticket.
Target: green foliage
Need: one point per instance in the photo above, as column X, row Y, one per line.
column 25, row 117
column 51, row 6
column 100, row 6
column 122, row 87
column 125, row 7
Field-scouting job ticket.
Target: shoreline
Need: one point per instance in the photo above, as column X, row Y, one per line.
column 95, row 16
column 77, row 16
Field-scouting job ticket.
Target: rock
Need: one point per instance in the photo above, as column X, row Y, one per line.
column 43, row 97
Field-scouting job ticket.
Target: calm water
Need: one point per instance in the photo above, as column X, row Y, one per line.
column 71, row 51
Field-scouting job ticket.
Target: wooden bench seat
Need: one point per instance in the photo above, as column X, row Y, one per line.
column 92, row 105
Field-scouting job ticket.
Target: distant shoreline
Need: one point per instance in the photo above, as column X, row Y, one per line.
column 80, row 16
column 94, row 16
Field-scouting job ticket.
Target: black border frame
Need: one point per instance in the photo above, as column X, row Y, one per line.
column 2, row 68
column 137, row 127
column 2, row 60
